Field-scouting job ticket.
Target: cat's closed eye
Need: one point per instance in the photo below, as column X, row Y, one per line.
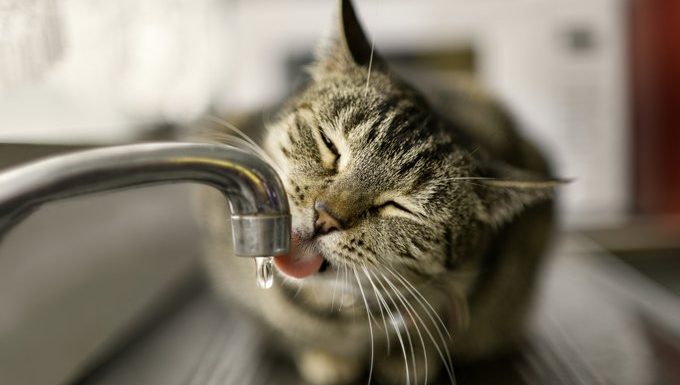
column 393, row 208
column 329, row 152
column 395, row 205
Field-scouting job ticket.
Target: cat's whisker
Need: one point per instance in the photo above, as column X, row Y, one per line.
column 408, row 308
column 231, row 139
column 391, row 317
column 345, row 283
column 252, row 146
column 299, row 289
column 442, row 349
column 370, row 326
column 370, row 65
column 415, row 372
column 234, row 129
column 335, row 286
column 415, row 319
column 381, row 301
column 370, row 59
column 445, row 355
column 395, row 326
column 267, row 117
column 242, row 144
column 472, row 182
column 420, row 298
column 468, row 178
column 347, row 280
column 438, row 326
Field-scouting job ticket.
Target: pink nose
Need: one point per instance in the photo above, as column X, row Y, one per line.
column 325, row 222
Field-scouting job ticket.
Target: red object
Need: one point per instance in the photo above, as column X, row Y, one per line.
column 655, row 50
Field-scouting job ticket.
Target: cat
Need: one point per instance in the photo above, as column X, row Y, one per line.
column 418, row 228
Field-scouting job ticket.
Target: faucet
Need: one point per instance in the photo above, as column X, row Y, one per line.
column 260, row 215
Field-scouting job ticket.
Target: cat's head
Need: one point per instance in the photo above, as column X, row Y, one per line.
column 375, row 178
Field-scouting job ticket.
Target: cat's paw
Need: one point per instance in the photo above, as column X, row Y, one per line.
column 320, row 368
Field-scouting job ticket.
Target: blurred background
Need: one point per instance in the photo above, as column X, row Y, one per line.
column 593, row 82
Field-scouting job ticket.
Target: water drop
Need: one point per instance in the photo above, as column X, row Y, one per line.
column 264, row 267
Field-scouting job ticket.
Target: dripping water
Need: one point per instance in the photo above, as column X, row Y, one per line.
column 264, row 274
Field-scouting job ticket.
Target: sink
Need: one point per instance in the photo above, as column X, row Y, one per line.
column 77, row 276
column 595, row 321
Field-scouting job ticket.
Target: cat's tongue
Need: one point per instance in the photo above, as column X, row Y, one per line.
column 298, row 264
column 298, row 267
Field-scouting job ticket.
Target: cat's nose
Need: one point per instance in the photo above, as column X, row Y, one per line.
column 325, row 222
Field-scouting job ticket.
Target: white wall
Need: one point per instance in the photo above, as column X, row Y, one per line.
column 125, row 64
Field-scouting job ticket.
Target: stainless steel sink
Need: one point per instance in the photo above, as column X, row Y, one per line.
column 595, row 322
column 77, row 276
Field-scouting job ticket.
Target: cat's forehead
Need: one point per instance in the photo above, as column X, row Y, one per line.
column 379, row 135
column 346, row 102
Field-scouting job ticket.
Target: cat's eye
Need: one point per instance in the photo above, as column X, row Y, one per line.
column 328, row 143
column 328, row 151
column 395, row 205
column 393, row 208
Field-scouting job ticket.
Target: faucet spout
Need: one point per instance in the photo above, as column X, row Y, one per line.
column 260, row 214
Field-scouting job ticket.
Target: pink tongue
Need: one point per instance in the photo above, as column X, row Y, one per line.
column 297, row 264
column 298, row 267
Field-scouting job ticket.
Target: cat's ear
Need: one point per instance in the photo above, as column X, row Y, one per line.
column 352, row 35
column 350, row 47
column 505, row 191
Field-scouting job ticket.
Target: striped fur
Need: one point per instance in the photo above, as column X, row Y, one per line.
column 431, row 200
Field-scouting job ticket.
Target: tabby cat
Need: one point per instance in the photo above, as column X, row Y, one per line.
column 417, row 228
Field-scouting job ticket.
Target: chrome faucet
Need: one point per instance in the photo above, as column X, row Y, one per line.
column 260, row 215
